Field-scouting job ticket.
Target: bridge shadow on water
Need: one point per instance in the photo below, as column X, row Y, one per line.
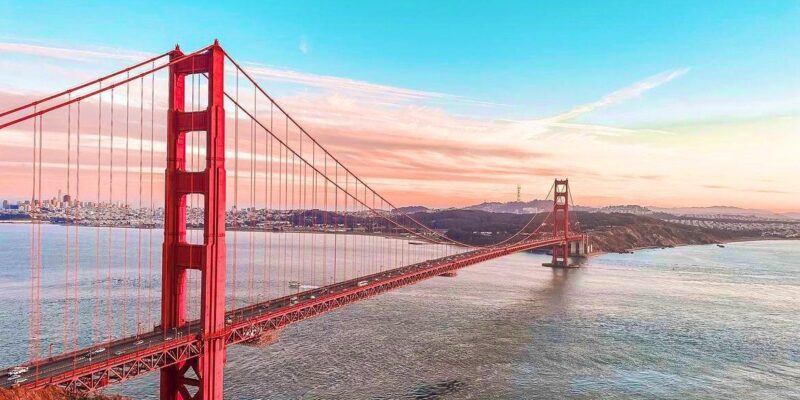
column 556, row 293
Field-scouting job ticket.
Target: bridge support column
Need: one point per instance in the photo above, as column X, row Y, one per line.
column 200, row 378
column 577, row 248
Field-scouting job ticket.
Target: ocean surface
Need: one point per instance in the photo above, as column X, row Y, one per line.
column 694, row 322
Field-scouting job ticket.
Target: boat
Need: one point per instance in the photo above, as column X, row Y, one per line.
column 721, row 245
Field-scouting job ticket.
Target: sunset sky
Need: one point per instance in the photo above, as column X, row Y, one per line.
column 679, row 103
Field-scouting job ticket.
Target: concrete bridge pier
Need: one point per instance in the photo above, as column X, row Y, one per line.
column 580, row 248
column 564, row 254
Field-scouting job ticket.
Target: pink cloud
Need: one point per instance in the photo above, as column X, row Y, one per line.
column 418, row 153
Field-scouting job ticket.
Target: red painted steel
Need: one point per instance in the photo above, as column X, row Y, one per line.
column 190, row 355
column 178, row 255
column 561, row 222
column 250, row 322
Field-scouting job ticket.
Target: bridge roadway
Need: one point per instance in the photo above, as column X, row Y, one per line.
column 89, row 369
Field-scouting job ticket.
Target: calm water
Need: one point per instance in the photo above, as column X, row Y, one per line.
column 691, row 322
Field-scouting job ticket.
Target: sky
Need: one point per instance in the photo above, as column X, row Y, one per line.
column 661, row 103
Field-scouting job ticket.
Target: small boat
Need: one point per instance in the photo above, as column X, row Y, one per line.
column 721, row 245
column 417, row 243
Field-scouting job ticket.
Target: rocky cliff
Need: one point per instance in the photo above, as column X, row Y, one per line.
column 50, row 393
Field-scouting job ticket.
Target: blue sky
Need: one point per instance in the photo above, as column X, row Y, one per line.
column 634, row 86
column 539, row 57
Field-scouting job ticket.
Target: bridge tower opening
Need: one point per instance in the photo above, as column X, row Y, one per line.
column 201, row 377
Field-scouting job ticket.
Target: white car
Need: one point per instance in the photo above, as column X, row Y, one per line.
column 18, row 381
column 18, row 370
column 138, row 342
column 100, row 350
column 12, row 377
column 362, row 283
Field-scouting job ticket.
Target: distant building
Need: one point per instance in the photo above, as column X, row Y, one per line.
column 627, row 209
column 5, row 204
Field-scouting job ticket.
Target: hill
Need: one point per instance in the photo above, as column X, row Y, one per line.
column 611, row 232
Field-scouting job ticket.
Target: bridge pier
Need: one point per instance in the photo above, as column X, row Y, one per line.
column 580, row 248
column 573, row 249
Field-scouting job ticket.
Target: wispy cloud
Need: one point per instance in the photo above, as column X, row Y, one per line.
column 304, row 47
column 70, row 54
column 384, row 93
column 409, row 146
column 338, row 83
column 561, row 123
column 621, row 95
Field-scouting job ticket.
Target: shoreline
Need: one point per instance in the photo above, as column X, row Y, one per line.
column 404, row 236
column 740, row 240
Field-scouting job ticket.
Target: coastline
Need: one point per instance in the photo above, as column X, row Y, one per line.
column 739, row 240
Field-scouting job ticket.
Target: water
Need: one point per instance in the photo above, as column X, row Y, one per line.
column 117, row 266
column 689, row 322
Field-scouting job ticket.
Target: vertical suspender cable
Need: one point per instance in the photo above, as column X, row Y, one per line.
column 67, row 223
column 126, row 214
column 109, row 310
column 139, row 212
column 149, row 290
column 235, row 194
column 78, row 206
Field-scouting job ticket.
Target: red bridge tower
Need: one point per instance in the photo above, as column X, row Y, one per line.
column 561, row 222
column 199, row 378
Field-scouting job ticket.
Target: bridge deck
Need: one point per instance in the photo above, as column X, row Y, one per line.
column 92, row 368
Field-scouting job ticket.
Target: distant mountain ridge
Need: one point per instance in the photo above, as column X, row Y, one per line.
column 536, row 205
column 513, row 207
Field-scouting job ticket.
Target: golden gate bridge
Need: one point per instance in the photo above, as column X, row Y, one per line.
column 307, row 235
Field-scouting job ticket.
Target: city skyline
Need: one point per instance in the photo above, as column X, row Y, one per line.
column 658, row 122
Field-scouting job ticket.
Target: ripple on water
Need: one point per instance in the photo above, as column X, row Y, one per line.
column 692, row 322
